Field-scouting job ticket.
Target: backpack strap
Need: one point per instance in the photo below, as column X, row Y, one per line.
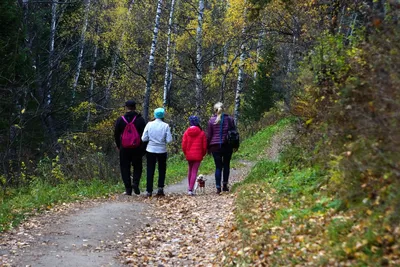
column 220, row 130
column 127, row 121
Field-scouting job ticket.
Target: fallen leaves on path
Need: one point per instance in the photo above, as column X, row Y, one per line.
column 186, row 233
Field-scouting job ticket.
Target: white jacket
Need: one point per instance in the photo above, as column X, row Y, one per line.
column 158, row 134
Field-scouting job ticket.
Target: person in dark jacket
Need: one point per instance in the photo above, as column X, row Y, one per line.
column 130, row 156
column 217, row 130
column 194, row 146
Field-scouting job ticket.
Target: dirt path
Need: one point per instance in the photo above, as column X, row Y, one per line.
column 176, row 230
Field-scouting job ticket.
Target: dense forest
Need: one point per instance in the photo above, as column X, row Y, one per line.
column 330, row 68
column 68, row 66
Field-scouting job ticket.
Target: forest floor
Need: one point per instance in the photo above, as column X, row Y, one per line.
column 174, row 230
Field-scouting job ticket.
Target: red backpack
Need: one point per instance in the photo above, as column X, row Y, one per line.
column 130, row 137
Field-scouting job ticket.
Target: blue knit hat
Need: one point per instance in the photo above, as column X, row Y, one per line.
column 194, row 121
column 159, row 113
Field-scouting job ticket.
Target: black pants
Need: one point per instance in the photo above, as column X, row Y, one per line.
column 152, row 159
column 130, row 157
column 222, row 160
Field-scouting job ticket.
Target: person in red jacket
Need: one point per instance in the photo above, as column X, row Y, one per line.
column 194, row 146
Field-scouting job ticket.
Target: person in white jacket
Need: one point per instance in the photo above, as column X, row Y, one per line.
column 158, row 134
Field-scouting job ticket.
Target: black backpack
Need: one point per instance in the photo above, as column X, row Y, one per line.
column 232, row 138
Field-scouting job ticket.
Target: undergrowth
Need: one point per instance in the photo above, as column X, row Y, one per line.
column 287, row 214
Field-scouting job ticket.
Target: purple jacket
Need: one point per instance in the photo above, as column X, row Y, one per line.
column 213, row 130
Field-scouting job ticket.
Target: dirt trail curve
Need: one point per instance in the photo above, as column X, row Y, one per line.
column 172, row 231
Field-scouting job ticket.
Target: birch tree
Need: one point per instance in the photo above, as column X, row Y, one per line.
column 224, row 73
column 199, row 60
column 81, row 48
column 110, row 80
column 260, row 40
column 168, row 74
column 150, row 69
column 47, row 93
column 92, row 77
column 240, row 80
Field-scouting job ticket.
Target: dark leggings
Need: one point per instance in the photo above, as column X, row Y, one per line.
column 152, row 159
column 222, row 161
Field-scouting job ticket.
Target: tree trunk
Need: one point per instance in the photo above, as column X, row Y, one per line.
column 110, row 80
column 239, row 87
column 92, row 78
column 258, row 52
column 225, row 72
column 199, row 60
column 47, row 94
column 81, row 48
column 167, row 79
column 151, row 62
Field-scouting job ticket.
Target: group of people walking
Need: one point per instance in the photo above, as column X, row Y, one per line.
column 153, row 138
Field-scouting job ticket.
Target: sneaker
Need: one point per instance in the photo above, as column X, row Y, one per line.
column 218, row 190
column 225, row 188
column 127, row 194
column 136, row 189
column 160, row 192
column 190, row 193
column 148, row 194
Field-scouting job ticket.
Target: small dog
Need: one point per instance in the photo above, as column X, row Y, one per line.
column 200, row 185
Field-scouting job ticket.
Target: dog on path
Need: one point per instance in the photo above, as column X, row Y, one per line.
column 200, row 186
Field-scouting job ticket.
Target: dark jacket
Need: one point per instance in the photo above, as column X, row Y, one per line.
column 120, row 126
column 213, row 130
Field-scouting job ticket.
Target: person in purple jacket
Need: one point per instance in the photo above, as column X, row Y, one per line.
column 217, row 131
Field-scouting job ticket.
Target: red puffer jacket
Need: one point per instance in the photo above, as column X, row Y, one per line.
column 194, row 144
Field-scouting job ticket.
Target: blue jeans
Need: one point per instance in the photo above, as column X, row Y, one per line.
column 222, row 160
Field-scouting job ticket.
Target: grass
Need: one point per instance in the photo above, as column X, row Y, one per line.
column 18, row 204
column 23, row 202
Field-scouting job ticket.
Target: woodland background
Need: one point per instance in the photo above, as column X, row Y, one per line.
column 68, row 66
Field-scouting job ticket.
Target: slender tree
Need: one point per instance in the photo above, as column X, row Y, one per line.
column 47, row 93
column 199, row 59
column 168, row 75
column 240, row 81
column 224, row 72
column 150, row 69
column 92, row 77
column 114, row 62
column 81, row 48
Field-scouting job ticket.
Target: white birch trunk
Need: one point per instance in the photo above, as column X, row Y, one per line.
column 110, row 80
column 259, row 48
column 199, row 60
column 51, row 52
column 225, row 72
column 212, row 63
column 167, row 78
column 239, row 87
column 92, row 78
column 151, row 62
column 81, row 49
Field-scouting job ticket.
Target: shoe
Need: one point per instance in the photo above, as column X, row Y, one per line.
column 127, row 194
column 160, row 192
column 148, row 194
column 225, row 188
column 218, row 190
column 136, row 190
column 191, row 193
